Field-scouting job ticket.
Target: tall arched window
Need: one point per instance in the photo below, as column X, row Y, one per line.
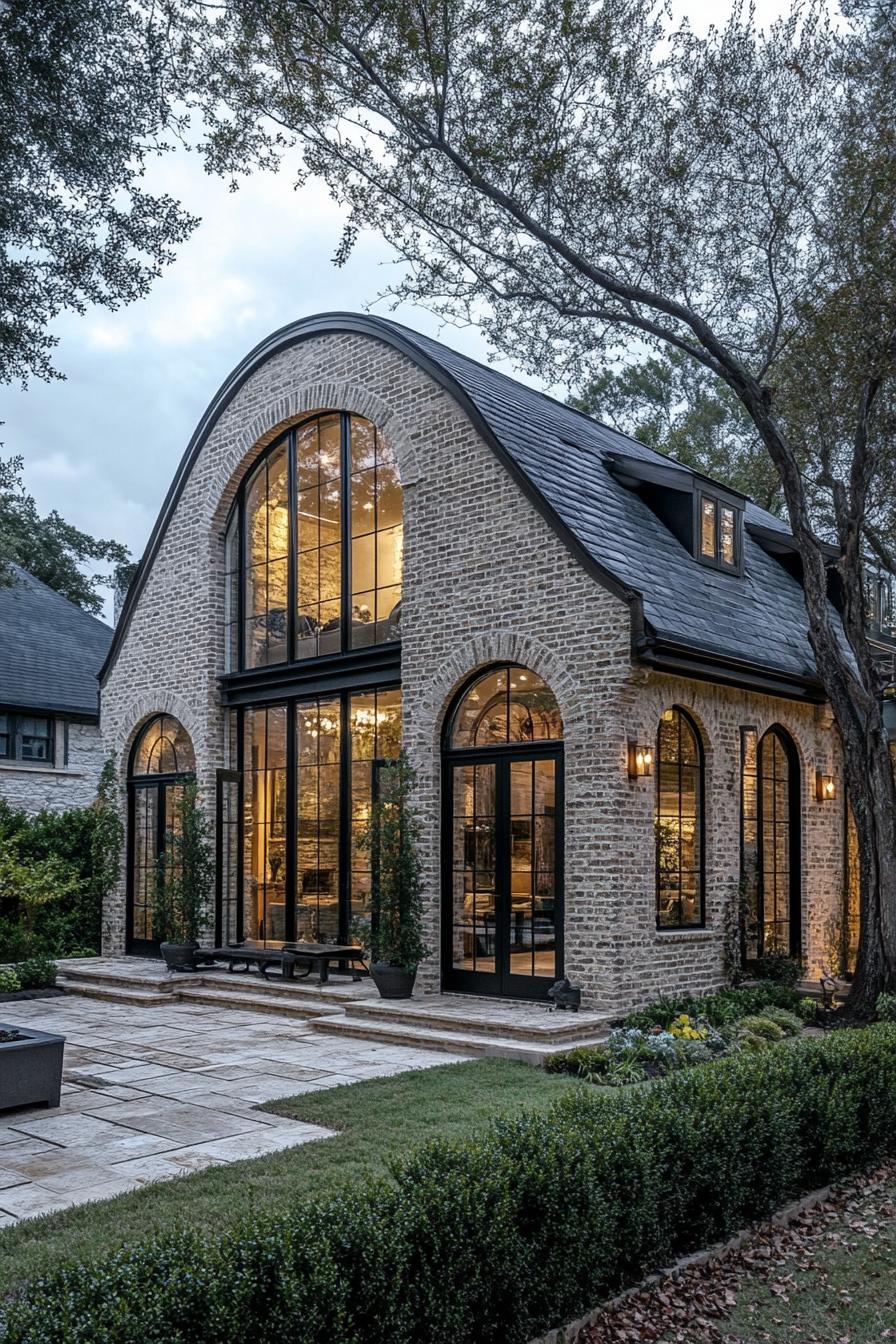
column 679, row 822
column 779, row 843
column 503, row 855
column 162, row 762
column 313, row 551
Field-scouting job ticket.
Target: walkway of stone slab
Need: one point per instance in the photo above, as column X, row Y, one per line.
column 152, row 1093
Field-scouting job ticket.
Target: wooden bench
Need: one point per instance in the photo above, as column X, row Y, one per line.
column 318, row 956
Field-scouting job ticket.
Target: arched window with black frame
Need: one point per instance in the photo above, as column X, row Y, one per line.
column 161, row 764
column 314, row 546
column 679, row 822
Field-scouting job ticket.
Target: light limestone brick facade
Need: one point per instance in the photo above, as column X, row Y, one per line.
column 485, row 579
column 71, row 782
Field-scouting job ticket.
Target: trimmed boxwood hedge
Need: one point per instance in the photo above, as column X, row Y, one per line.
column 498, row 1238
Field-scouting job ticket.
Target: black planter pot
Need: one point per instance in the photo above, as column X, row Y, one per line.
column 30, row 1068
column 393, row 982
column 179, row 956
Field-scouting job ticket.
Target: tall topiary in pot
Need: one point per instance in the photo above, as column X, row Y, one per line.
column 392, row 838
column 184, row 877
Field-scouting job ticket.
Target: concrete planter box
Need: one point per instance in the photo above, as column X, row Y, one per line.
column 30, row 1068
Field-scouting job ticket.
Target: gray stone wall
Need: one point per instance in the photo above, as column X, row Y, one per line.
column 66, row 784
column 486, row 579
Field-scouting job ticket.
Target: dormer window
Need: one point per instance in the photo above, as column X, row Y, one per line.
column 719, row 533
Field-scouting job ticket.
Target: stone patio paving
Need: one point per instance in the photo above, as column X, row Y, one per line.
column 156, row 1092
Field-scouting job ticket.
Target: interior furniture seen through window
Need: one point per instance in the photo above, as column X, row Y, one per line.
column 503, row 837
column 719, row 527
column 313, row 548
column 679, row 822
column 27, row 738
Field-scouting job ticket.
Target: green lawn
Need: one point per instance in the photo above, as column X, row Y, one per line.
column 840, row 1285
column 378, row 1120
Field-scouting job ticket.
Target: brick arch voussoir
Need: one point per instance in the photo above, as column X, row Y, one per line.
column 138, row 713
column 507, row 646
column 305, row 399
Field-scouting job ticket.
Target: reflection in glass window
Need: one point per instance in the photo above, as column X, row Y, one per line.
column 375, row 738
column 319, row 536
column 508, row 704
column 318, row 820
column 377, row 537
column 727, row 537
column 163, row 748
column 679, row 818
column 708, row 527
column 267, row 562
column 775, row 838
column 346, row 537
column 264, row 839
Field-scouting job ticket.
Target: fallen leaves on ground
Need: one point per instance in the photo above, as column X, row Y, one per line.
column 692, row 1305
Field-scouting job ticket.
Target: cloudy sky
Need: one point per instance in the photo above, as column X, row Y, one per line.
column 102, row 446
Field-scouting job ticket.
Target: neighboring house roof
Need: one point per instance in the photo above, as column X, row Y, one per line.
column 50, row 650
column 740, row 624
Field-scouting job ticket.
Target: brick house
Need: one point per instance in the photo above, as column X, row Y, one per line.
column 596, row 659
column 51, row 651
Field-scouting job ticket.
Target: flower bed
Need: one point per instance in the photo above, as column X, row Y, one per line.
column 665, row 1036
column 30, row 979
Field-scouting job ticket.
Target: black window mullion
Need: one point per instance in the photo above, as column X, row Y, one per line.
column 345, row 815
column 292, row 534
column 292, row 787
column 346, row 547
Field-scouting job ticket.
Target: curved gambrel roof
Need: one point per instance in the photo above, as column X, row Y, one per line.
column 748, row 629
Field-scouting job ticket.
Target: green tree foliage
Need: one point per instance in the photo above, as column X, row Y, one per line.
column 51, row 549
column 392, row 838
column 76, row 853
column 679, row 408
column 185, row 872
column 574, row 177
column 85, row 94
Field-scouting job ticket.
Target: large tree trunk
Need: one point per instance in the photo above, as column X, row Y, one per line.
column 850, row 679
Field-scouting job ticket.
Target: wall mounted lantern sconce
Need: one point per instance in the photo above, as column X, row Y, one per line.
column 640, row 760
column 825, row 787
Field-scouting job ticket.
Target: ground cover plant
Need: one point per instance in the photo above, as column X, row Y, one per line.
column 502, row 1235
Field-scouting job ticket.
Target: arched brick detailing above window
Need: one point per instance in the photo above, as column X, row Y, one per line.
column 504, row 646
column 134, row 716
column 303, row 400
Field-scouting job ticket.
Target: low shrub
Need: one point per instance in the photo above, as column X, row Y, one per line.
column 885, row 1008
column 37, row 973
column 583, row 1058
column 790, row 1024
column 499, row 1237
column 807, row 1008
column 780, row 968
column 763, row 1027
column 719, row 1009
column 9, row 981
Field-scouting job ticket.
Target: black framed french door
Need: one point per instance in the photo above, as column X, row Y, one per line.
column 152, row 813
column 502, row 888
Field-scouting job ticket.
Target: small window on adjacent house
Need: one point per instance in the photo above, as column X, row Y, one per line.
column 34, row 740
column 26, row 737
column 719, row 537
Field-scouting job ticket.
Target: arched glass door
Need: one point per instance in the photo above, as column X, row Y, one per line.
column 162, row 762
column 503, row 837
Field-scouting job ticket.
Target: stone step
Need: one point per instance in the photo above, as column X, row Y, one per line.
column 88, row 989
column 288, row 1005
column 517, row 1022
column 161, row 982
column 336, row 991
column 468, row 1042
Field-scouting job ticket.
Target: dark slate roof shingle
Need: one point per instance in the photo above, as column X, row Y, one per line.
column 758, row 618
column 50, row 650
